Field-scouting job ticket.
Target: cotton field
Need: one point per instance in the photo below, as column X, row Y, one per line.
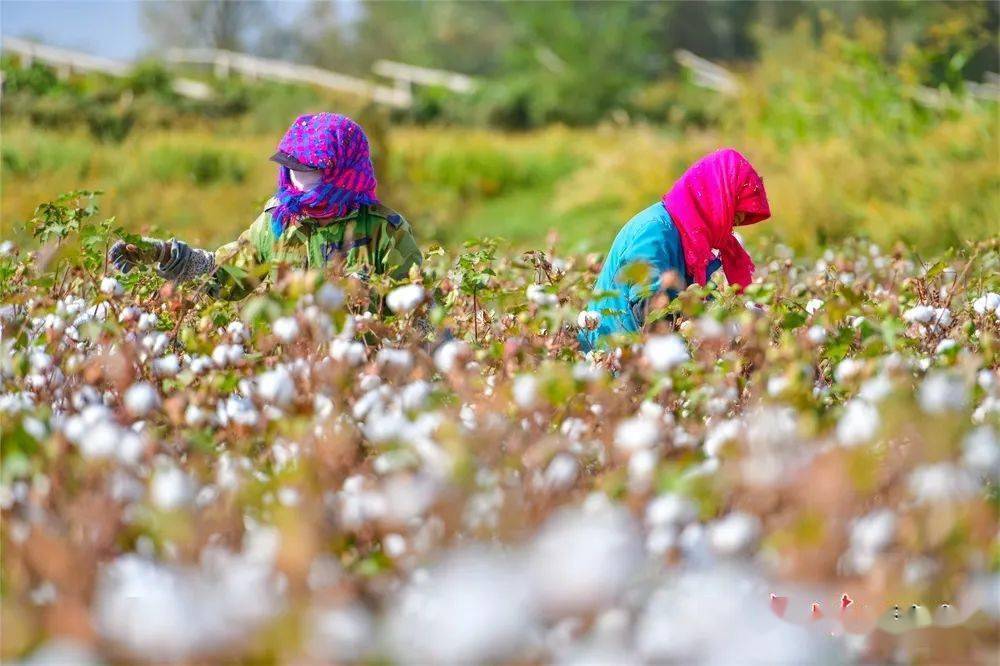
column 432, row 472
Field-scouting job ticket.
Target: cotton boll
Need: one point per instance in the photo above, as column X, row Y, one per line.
column 941, row 392
column 170, row 488
column 945, row 346
column 398, row 359
column 448, row 355
column 735, row 534
column 670, row 509
column 140, row 399
column 641, row 466
column 582, row 560
column 473, row 607
column 166, row 366
column 341, row 634
column 665, row 352
column 858, row 424
column 813, row 305
column 981, row 452
column 147, row 322
column 526, row 391
column 536, row 294
column 329, row 296
column 276, row 387
column 637, row 433
column 195, row 416
column 870, row 535
column 941, row 483
column 286, row 329
column 111, row 287
column 987, row 303
column 414, row 395
column 407, row 298
column 848, row 369
column 588, row 320
column 347, row 351
column 561, row 472
column 237, row 331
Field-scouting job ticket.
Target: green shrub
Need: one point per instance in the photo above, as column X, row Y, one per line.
column 202, row 166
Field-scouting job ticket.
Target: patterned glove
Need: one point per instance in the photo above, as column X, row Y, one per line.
column 184, row 263
column 125, row 257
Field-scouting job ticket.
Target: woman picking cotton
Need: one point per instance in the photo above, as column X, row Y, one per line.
column 325, row 212
column 670, row 245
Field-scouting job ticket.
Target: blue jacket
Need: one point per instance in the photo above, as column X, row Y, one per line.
column 649, row 238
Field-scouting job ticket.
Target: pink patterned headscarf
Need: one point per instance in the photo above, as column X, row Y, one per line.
column 703, row 205
column 337, row 146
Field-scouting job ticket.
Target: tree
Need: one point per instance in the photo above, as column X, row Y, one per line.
column 220, row 24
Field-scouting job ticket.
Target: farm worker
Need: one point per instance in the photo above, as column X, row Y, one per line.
column 677, row 235
column 324, row 212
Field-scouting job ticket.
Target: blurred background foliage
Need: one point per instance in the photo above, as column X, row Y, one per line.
column 582, row 118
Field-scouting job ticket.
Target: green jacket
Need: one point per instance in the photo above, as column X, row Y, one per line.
column 371, row 240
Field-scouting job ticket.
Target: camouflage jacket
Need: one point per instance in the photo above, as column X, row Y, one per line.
column 371, row 240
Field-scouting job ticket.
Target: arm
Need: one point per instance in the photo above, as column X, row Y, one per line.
column 232, row 271
column 396, row 250
column 650, row 258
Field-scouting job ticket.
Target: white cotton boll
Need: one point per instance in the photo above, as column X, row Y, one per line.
column 195, row 416
column 813, row 305
column 276, row 387
column 347, row 351
column 39, row 361
column 329, row 296
column 398, row 359
column 100, row 440
column 407, row 298
column 945, row 345
column 237, row 331
column 872, row 533
column 588, row 320
column 660, row 540
column 987, row 303
column 876, row 389
column 641, row 465
column 777, row 385
column 166, row 366
column 670, row 509
column 414, row 395
column 921, row 314
column 170, row 488
column 637, row 433
column 286, row 329
column 816, row 334
column 561, row 472
column 394, row 545
column 341, row 635
column 536, row 294
column 735, row 534
column 848, row 369
column 858, row 424
column 447, row 355
column 199, row 365
column 140, row 399
column 981, row 452
column 220, row 355
column 288, row 496
column 941, row 392
column 473, row 607
column 583, row 560
column 525, row 391
column 111, row 287
column 720, row 434
column 941, row 483
column 665, row 352
column 147, row 321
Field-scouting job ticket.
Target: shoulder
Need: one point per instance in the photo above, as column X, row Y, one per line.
column 271, row 204
column 653, row 226
column 393, row 217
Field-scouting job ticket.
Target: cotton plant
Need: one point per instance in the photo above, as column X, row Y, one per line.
column 306, row 461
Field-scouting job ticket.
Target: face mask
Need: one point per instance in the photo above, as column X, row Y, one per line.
column 305, row 180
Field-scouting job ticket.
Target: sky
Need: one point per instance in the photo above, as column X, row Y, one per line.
column 109, row 28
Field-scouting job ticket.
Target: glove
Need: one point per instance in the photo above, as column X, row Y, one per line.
column 125, row 257
column 175, row 263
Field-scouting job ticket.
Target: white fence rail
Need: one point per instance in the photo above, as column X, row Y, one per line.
column 66, row 62
column 252, row 67
column 405, row 75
